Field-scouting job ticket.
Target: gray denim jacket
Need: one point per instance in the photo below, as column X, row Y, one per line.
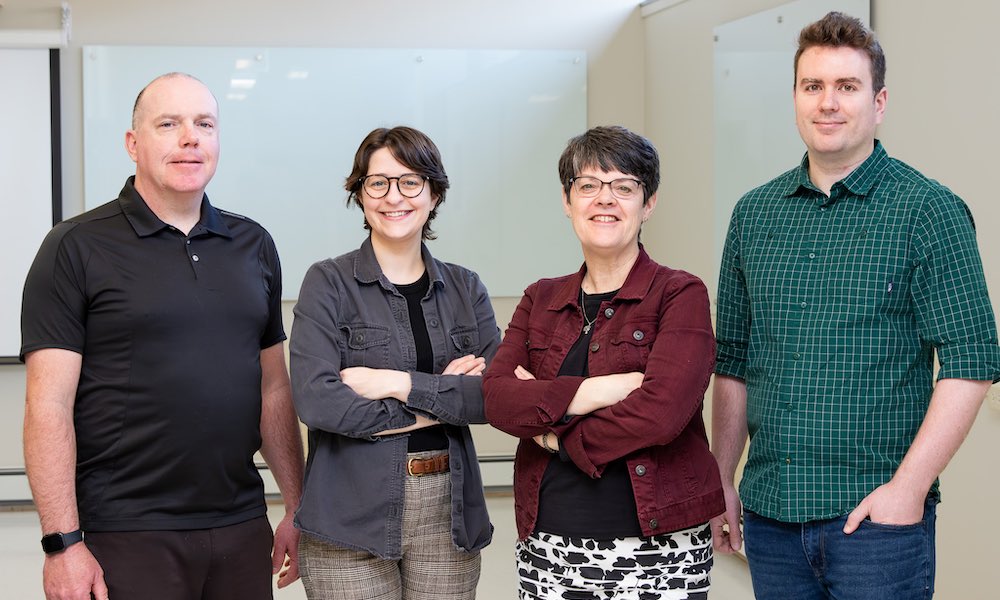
column 349, row 315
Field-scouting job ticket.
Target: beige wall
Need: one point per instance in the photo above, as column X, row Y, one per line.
column 611, row 32
column 941, row 118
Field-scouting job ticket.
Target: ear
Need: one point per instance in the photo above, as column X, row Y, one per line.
column 130, row 144
column 434, row 201
column 881, row 98
column 648, row 208
column 565, row 204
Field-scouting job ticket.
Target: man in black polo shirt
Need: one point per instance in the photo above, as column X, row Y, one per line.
column 154, row 347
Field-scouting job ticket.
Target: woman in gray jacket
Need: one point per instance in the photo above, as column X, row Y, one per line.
column 387, row 348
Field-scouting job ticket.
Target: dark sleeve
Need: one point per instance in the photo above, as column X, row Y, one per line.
column 523, row 408
column 458, row 399
column 54, row 305
column 322, row 400
column 271, row 267
column 732, row 308
column 951, row 301
column 672, row 391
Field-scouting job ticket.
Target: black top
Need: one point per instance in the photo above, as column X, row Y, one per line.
column 570, row 503
column 428, row 438
column 167, row 411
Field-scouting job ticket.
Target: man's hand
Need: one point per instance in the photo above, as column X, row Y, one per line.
column 726, row 535
column 285, row 555
column 889, row 504
column 73, row 574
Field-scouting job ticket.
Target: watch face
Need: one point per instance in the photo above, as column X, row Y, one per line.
column 53, row 543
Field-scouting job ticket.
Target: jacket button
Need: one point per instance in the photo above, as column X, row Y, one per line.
column 638, row 335
column 359, row 338
column 609, row 312
column 653, row 523
column 640, row 470
column 466, row 340
column 433, row 323
column 595, row 347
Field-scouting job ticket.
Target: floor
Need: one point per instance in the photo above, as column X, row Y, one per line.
column 21, row 559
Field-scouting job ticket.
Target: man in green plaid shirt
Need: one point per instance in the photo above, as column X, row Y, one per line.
column 840, row 280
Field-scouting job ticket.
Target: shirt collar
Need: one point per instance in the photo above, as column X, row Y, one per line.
column 367, row 269
column 858, row 182
column 146, row 223
column 636, row 285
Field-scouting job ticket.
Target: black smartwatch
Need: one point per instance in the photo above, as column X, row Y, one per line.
column 57, row 542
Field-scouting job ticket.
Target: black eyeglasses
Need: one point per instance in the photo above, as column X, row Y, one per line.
column 623, row 189
column 409, row 185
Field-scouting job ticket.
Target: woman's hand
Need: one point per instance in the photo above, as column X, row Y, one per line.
column 603, row 391
column 466, row 365
column 377, row 384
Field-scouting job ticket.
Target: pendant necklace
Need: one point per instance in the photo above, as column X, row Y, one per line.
column 587, row 323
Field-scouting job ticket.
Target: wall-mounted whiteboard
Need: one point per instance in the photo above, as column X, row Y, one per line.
column 291, row 120
column 755, row 135
column 30, row 196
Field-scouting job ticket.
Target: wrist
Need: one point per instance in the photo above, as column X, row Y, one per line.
column 545, row 443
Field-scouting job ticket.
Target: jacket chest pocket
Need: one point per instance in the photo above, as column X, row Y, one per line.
column 464, row 340
column 367, row 346
column 632, row 345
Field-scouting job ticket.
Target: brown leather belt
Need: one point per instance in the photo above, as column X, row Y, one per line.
column 427, row 466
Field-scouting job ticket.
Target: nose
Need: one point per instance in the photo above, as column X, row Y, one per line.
column 604, row 196
column 190, row 136
column 828, row 102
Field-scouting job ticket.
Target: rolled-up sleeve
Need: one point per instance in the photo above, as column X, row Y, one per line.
column 732, row 309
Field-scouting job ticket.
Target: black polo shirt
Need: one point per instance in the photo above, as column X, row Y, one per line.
column 170, row 327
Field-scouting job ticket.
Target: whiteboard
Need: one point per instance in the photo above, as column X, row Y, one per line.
column 291, row 120
column 29, row 196
column 755, row 135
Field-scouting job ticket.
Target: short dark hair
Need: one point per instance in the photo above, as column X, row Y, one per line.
column 838, row 30
column 413, row 149
column 611, row 148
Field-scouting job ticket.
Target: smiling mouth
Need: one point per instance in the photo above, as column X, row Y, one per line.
column 604, row 219
column 397, row 213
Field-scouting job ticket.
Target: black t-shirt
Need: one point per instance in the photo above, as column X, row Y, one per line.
column 570, row 503
column 428, row 438
column 170, row 328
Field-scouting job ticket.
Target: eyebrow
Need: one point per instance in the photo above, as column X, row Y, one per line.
column 178, row 117
column 811, row 80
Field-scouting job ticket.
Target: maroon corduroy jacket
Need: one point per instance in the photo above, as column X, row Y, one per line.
column 658, row 323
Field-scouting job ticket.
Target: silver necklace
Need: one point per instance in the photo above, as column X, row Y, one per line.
column 587, row 323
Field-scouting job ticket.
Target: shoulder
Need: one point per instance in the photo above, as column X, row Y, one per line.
column 931, row 200
column 457, row 274
column 676, row 280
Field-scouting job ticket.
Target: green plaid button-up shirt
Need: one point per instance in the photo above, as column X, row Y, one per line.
column 830, row 309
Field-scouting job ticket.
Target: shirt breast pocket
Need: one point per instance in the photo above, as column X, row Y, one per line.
column 464, row 340
column 367, row 346
column 633, row 343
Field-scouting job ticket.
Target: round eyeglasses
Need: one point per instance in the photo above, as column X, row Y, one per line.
column 409, row 185
column 623, row 189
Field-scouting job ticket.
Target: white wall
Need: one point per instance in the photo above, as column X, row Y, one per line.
column 941, row 118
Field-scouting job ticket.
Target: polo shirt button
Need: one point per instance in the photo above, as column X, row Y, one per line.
column 640, row 470
column 804, row 304
column 796, row 356
column 653, row 523
column 595, row 347
column 195, row 258
column 609, row 312
column 434, row 323
column 638, row 335
column 188, row 242
column 812, row 255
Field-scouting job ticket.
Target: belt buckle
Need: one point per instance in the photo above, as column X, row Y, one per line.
column 409, row 468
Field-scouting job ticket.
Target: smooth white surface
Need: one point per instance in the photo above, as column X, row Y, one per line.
column 25, row 178
column 291, row 120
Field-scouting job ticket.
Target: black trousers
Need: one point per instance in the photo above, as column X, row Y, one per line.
column 200, row 564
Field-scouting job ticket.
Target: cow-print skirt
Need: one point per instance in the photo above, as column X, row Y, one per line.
column 672, row 566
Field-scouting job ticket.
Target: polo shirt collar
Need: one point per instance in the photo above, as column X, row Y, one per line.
column 146, row 223
column 367, row 269
column 636, row 285
column 858, row 182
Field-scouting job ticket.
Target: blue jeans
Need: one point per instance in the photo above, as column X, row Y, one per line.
column 817, row 561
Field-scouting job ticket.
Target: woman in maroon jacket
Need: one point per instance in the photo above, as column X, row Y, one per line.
column 602, row 374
